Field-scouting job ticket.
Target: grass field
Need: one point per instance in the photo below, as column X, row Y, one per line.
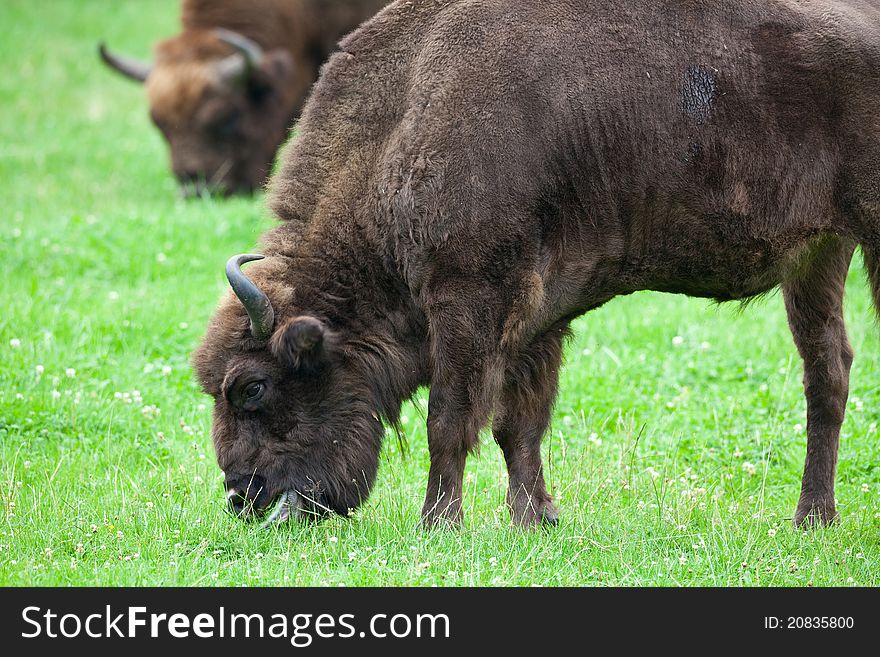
column 677, row 441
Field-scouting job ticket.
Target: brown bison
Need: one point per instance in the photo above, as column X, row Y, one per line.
column 471, row 175
column 226, row 89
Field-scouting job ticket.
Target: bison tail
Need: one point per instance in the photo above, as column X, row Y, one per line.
column 871, row 258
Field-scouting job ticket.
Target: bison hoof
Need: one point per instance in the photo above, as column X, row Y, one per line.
column 448, row 517
column 528, row 513
column 815, row 513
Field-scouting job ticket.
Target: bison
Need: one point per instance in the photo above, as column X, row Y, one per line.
column 225, row 90
column 472, row 175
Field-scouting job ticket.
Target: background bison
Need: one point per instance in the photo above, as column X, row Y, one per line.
column 225, row 91
column 471, row 176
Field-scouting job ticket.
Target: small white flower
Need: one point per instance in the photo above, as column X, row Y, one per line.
column 183, row 326
column 704, row 346
column 113, row 295
column 749, row 468
column 677, row 341
column 19, row 396
column 56, row 395
column 737, row 453
column 15, row 343
column 594, row 438
column 39, row 369
column 166, row 370
column 865, row 488
column 333, row 539
column 771, row 532
column 683, row 559
column 70, row 372
column 161, row 257
column 798, row 428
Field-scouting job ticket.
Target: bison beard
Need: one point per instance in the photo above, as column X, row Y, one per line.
column 472, row 175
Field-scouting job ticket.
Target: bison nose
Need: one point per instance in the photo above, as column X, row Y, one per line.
column 192, row 183
column 247, row 496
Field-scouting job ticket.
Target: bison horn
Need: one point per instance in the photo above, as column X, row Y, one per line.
column 130, row 68
column 254, row 300
column 245, row 61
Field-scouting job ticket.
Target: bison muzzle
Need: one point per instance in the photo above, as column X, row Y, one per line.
column 471, row 175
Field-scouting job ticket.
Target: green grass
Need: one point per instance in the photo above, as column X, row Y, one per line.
column 675, row 460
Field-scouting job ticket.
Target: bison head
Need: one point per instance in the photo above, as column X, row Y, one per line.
column 221, row 103
column 294, row 428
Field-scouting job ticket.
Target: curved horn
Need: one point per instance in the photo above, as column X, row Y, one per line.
column 255, row 302
column 130, row 68
column 249, row 50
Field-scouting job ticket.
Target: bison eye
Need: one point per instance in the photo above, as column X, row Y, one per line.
column 250, row 396
column 254, row 391
column 227, row 125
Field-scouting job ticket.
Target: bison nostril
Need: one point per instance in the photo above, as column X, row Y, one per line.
column 247, row 496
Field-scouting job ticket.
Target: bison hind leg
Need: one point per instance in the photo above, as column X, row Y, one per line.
column 814, row 303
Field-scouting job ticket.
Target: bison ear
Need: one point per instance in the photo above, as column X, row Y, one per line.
column 299, row 341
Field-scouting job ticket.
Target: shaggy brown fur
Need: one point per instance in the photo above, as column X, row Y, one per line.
column 223, row 134
column 471, row 175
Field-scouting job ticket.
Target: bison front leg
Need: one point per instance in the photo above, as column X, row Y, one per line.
column 521, row 419
column 466, row 372
column 814, row 301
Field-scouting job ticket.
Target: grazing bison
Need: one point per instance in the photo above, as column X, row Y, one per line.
column 226, row 89
column 471, row 175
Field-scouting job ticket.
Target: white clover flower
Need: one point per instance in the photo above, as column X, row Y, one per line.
column 166, row 370
column 56, row 395
column 749, row 468
column 39, row 369
column 594, row 438
column 70, row 373
column 113, row 295
column 771, row 532
column 865, row 488
column 15, row 343
column 161, row 257
column 677, row 341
